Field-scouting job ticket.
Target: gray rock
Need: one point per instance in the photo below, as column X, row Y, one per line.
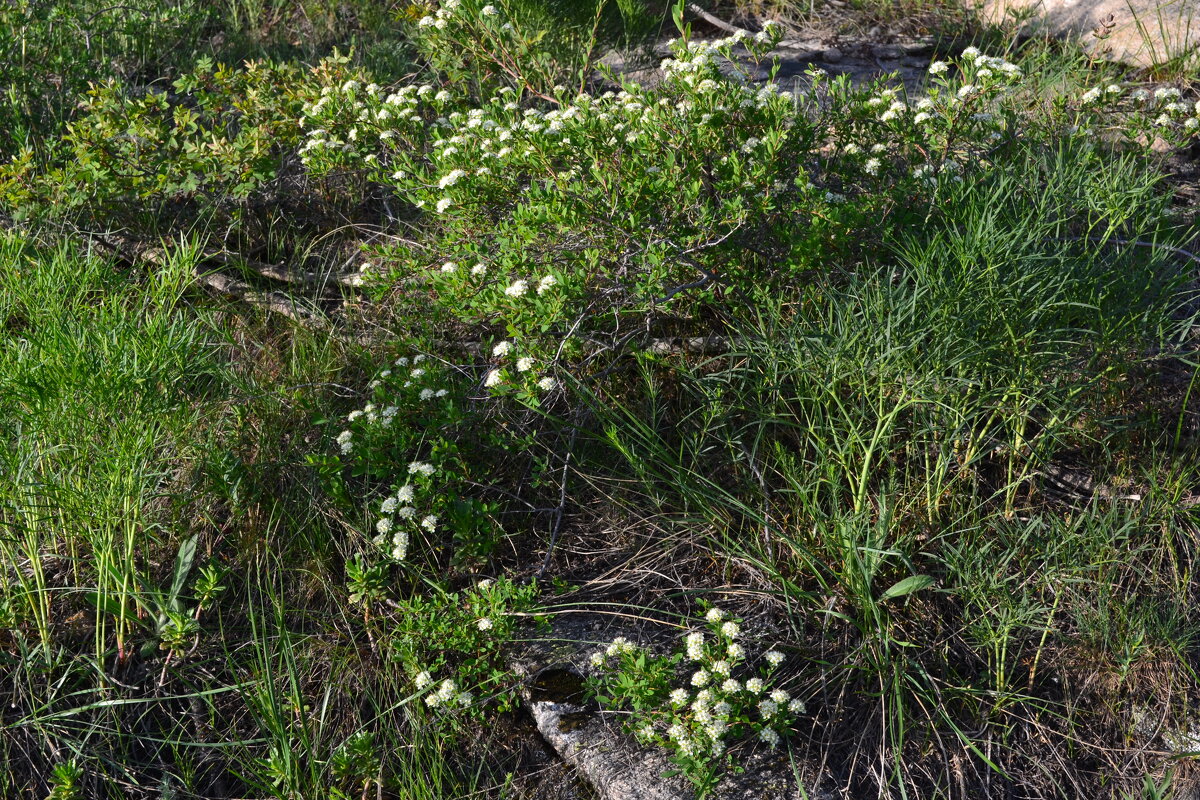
column 1138, row 32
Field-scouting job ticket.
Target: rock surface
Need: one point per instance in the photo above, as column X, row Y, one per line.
column 1138, row 32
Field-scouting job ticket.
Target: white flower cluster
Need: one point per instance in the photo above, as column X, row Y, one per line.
column 698, row 724
column 447, row 694
column 383, row 416
column 505, row 350
column 437, row 157
column 398, row 512
column 1171, row 114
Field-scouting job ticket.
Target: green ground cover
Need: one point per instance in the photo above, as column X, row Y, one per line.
column 328, row 380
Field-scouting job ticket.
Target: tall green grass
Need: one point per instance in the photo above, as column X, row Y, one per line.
column 877, row 445
column 142, row 440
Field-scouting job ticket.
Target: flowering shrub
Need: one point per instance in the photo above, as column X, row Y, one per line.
column 451, row 644
column 412, row 435
column 485, row 44
column 719, row 702
column 577, row 220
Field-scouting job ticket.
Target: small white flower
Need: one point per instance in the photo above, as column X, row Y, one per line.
column 479, row 269
column 546, row 384
column 423, row 679
column 695, row 646
column 524, row 364
column 344, row 441
column 429, row 523
column 714, row 615
column 731, row 629
column 700, row 677
column 426, row 394
column 768, row 708
column 755, row 685
column 443, row 204
column 735, row 650
column 545, row 283
column 872, row 166
column 502, row 349
column 722, row 709
column 597, row 659
column 797, row 707
column 731, row 686
column 422, row 467
column 769, row 736
column 780, row 696
column 679, row 697
column 388, row 506
column 489, row 11
column 449, row 266
column 774, row 657
column 353, row 415
column 619, row 645
column 492, row 379
column 721, row 668
column 971, row 53
column 384, row 526
column 405, row 495
column 517, row 289
column 1090, row 96
column 451, row 178
column 406, row 512
column 484, row 624
column 938, row 67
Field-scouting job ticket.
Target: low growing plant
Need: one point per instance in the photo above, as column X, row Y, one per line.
column 699, row 716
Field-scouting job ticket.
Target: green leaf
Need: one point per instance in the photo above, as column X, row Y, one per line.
column 677, row 14
column 109, row 605
column 183, row 565
column 914, row 583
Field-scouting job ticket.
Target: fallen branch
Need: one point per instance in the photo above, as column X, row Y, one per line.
column 716, row 22
column 275, row 302
column 703, row 345
column 281, row 273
